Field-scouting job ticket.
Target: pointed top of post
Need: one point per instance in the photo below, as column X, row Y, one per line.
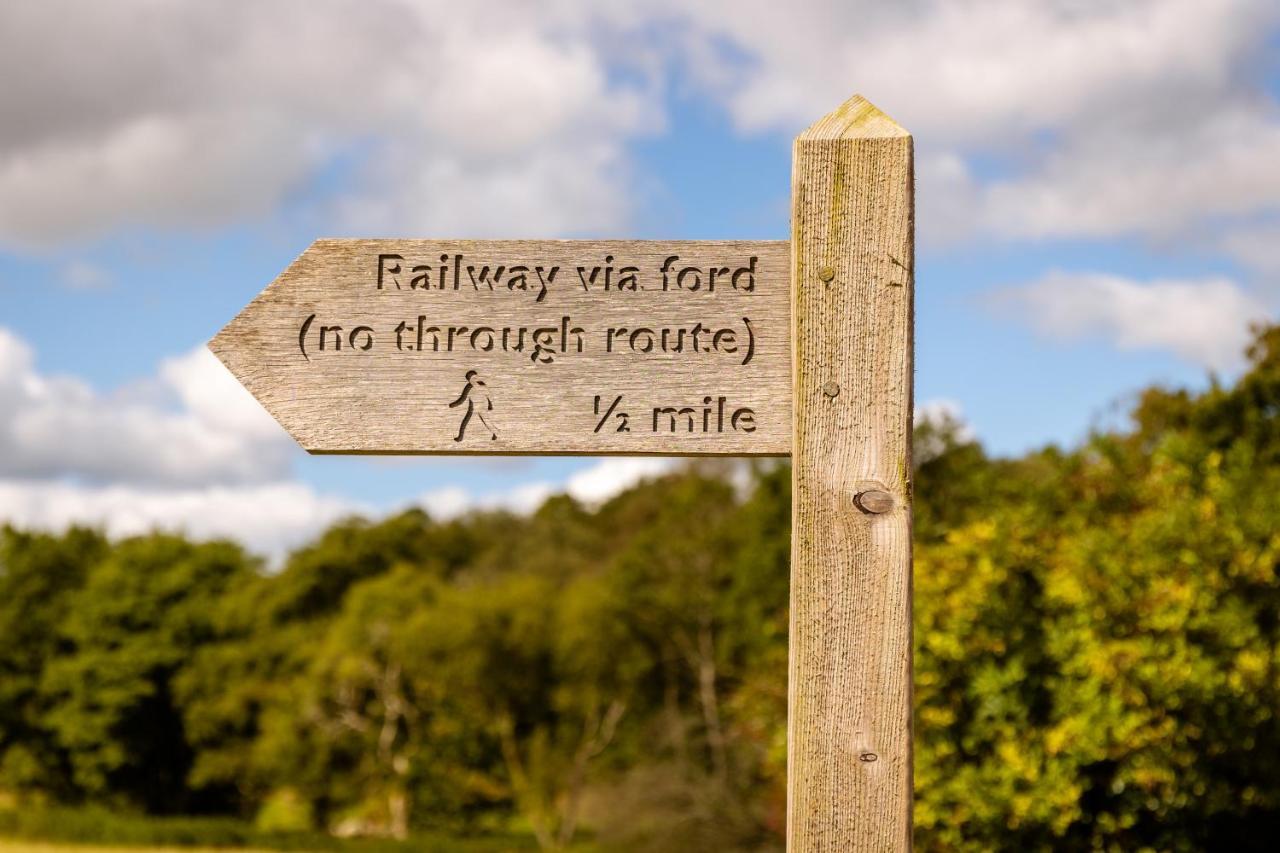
column 856, row 118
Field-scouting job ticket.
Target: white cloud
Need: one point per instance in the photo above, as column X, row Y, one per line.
column 189, row 451
column 1257, row 246
column 1050, row 119
column 947, row 418
column 949, row 197
column 454, row 501
column 1115, row 180
column 152, row 170
column 448, row 502
column 608, row 477
column 82, row 275
column 499, row 117
column 592, row 486
column 213, row 397
column 57, row 426
column 268, row 519
column 272, row 518
column 976, row 71
column 1205, row 321
column 944, row 412
column 459, row 118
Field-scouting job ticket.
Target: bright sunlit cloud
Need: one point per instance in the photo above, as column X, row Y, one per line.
column 499, row 117
column 268, row 519
column 460, row 118
column 193, row 425
column 1205, row 321
column 592, row 486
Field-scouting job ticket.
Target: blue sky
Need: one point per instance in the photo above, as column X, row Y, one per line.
column 1099, row 207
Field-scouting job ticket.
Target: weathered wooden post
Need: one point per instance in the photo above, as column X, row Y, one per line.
column 849, row 720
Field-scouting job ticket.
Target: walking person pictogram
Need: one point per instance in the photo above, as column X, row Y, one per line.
column 476, row 395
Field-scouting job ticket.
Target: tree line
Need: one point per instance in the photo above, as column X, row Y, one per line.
column 1095, row 632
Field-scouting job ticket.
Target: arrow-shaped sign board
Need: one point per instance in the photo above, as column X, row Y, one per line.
column 565, row 347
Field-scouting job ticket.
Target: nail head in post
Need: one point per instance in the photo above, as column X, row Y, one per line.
column 874, row 501
column 831, row 389
column 827, row 273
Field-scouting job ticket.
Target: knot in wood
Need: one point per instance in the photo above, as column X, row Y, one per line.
column 831, row 389
column 827, row 273
column 874, row 501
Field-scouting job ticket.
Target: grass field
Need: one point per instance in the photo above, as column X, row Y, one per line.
column 38, row 847
column 98, row 830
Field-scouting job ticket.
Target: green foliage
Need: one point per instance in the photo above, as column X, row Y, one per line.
column 134, row 624
column 1096, row 660
column 1103, row 675
column 39, row 574
column 285, row 811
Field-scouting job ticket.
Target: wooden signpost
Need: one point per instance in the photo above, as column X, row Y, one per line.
column 670, row 348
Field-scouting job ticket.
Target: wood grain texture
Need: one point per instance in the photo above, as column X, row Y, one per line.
column 849, row 721
column 402, row 335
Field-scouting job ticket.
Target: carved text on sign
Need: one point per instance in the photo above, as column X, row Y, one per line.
column 528, row 346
